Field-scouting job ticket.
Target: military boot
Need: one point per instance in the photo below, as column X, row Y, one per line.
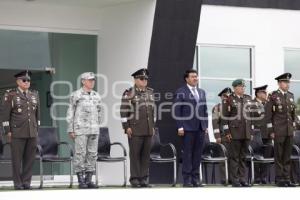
column 88, row 180
column 81, row 182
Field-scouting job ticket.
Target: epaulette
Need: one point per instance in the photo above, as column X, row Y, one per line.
column 127, row 92
column 150, row 89
column 246, row 95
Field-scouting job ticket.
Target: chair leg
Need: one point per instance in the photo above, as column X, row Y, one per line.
column 200, row 173
column 213, row 178
column 252, row 172
column 175, row 173
column 71, row 173
column 41, row 174
column 226, row 172
column 97, row 174
column 125, row 172
column 205, row 169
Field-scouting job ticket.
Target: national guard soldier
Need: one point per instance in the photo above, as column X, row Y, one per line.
column 20, row 119
column 218, row 127
column 237, row 128
column 259, row 126
column 281, row 122
column 84, row 118
column 137, row 115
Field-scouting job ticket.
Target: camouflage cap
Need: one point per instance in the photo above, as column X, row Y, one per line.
column 88, row 75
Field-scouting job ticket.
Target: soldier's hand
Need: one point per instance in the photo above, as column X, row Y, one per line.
column 218, row 140
column 72, row 135
column 181, row 132
column 9, row 137
column 206, row 131
column 129, row 132
column 272, row 135
column 228, row 137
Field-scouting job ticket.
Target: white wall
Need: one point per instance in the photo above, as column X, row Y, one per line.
column 124, row 34
column 268, row 30
column 124, row 47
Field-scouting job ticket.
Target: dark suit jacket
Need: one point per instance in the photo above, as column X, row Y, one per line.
column 190, row 114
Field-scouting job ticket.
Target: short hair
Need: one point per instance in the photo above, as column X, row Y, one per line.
column 188, row 72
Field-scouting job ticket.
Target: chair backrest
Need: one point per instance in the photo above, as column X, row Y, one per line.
column 297, row 138
column 155, row 143
column 207, row 151
column 48, row 140
column 104, row 142
column 256, row 143
column 1, row 148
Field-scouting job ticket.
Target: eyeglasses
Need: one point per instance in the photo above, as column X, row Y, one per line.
column 26, row 80
column 143, row 79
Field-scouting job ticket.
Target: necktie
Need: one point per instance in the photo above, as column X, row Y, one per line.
column 195, row 93
column 25, row 95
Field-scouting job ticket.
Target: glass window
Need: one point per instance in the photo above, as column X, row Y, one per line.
column 218, row 66
column 226, row 62
column 292, row 64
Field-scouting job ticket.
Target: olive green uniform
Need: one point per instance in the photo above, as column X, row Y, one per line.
column 259, row 125
column 236, row 112
column 281, row 121
column 137, row 113
column 217, row 125
column 20, row 116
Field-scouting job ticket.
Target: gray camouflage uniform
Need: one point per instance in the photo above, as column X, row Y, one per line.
column 84, row 118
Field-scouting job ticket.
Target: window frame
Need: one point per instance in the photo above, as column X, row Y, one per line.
column 252, row 63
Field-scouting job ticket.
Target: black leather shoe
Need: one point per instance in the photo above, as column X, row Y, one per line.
column 244, row 184
column 290, row 184
column 135, row 183
column 236, row 185
column 197, row 184
column 187, row 185
column 19, row 187
column 27, row 187
column 264, row 182
column 281, row 184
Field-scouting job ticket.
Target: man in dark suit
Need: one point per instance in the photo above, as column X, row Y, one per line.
column 20, row 119
column 191, row 118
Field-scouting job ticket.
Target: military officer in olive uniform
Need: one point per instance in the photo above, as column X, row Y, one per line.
column 217, row 125
column 137, row 115
column 237, row 129
column 20, row 119
column 281, row 122
column 84, row 118
column 259, row 126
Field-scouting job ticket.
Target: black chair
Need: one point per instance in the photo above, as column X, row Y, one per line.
column 5, row 157
column 295, row 157
column 104, row 153
column 257, row 153
column 48, row 146
column 213, row 153
column 159, row 154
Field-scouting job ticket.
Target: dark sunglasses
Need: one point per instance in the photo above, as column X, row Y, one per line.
column 143, row 79
column 26, row 80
